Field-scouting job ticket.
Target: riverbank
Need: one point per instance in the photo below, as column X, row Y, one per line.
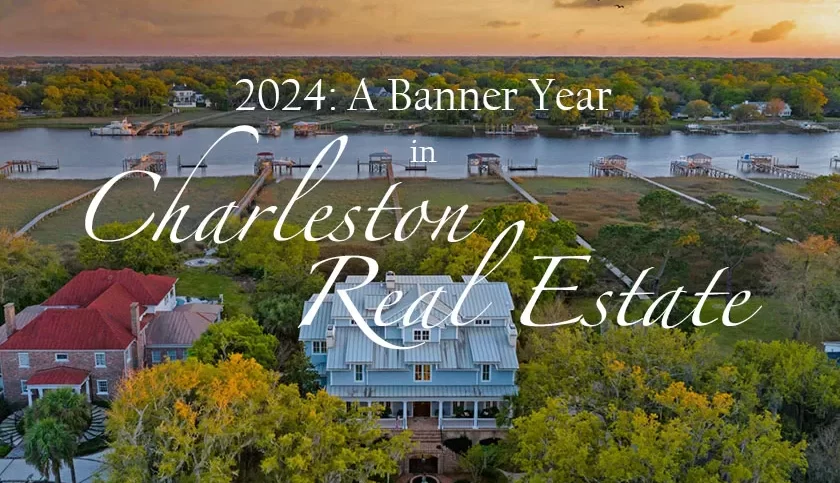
column 348, row 122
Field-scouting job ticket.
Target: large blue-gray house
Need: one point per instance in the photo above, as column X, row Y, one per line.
column 459, row 376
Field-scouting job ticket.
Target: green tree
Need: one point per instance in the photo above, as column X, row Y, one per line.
column 624, row 104
column 698, row 109
column 480, row 459
column 48, row 444
column 139, row 253
column 29, row 271
column 745, row 113
column 651, row 112
column 803, row 276
column 297, row 370
column 727, row 238
column 818, row 215
column 688, row 437
column 64, row 405
column 239, row 335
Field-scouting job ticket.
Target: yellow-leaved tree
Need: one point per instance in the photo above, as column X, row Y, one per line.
column 187, row 421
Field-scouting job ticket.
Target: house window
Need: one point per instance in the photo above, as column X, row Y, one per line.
column 485, row 372
column 359, row 374
column 319, row 347
column 482, row 322
column 102, row 386
column 62, row 358
column 423, row 372
column 24, row 389
column 155, row 357
column 23, row 359
column 172, row 354
column 421, row 334
column 99, row 359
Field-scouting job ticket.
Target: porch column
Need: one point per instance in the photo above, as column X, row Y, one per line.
column 29, row 395
column 405, row 415
column 475, row 414
column 440, row 414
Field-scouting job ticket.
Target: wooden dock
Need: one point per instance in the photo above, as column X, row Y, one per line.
column 248, row 199
column 484, row 163
column 522, row 167
column 153, row 162
column 55, row 209
column 612, row 165
column 182, row 165
column 834, row 162
column 24, row 166
column 768, row 164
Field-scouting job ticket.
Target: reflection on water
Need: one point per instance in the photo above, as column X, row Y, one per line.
column 83, row 156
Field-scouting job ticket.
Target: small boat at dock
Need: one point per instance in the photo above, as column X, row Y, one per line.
column 270, row 128
column 115, row 128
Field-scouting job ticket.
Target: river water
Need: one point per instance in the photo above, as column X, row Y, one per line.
column 83, row 156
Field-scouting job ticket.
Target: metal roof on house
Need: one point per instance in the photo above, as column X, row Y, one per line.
column 421, row 391
column 428, row 353
column 322, row 320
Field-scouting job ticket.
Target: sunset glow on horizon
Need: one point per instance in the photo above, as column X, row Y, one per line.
column 707, row 28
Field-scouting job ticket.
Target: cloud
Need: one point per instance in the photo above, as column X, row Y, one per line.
column 711, row 38
column 534, row 35
column 685, row 13
column 301, row 17
column 776, row 32
column 499, row 24
column 592, row 3
column 402, row 38
column 579, row 32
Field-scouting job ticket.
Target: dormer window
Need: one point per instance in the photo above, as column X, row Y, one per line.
column 485, row 372
column 422, row 335
column 62, row 357
column 482, row 321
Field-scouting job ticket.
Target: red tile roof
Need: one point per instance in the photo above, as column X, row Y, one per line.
column 58, row 376
column 91, row 312
column 87, row 286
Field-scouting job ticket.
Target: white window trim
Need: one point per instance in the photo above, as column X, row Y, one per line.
column 62, row 361
column 21, row 365
column 100, row 393
column 489, row 373
column 104, row 360
column 356, row 372
column 421, row 333
column 152, row 356
column 482, row 321
column 22, row 385
column 421, row 372
column 320, row 344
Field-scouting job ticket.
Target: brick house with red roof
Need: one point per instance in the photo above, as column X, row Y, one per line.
column 89, row 334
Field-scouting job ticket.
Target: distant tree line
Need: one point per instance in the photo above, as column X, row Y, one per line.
column 658, row 86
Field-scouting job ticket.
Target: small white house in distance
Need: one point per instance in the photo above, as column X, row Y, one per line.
column 762, row 108
column 832, row 349
column 183, row 96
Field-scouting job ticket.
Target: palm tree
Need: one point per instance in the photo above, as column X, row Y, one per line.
column 47, row 444
column 64, row 405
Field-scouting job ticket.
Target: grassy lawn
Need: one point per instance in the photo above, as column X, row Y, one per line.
column 590, row 203
column 22, row 200
column 134, row 199
column 207, row 283
column 341, row 195
column 478, row 193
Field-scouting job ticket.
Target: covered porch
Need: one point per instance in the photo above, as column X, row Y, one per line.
column 77, row 380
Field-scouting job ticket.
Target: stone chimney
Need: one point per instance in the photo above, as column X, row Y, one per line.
column 390, row 281
column 139, row 337
column 9, row 317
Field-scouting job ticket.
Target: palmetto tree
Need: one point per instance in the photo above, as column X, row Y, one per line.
column 64, row 405
column 48, row 444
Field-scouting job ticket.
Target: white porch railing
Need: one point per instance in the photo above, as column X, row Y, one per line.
column 388, row 423
column 467, row 423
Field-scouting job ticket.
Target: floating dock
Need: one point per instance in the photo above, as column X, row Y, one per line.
column 834, row 162
column 25, row 166
column 182, row 165
column 522, row 167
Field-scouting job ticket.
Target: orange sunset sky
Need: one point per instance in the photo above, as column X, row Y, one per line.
column 732, row 28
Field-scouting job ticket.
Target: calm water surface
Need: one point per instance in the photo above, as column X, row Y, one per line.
column 83, row 156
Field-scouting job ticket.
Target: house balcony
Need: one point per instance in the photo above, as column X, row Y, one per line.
column 427, row 415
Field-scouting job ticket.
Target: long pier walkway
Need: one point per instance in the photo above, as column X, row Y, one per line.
column 395, row 198
column 626, row 280
column 764, row 229
column 55, row 209
column 250, row 195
